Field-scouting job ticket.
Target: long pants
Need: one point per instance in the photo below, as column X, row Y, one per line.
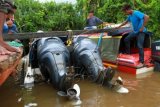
column 140, row 41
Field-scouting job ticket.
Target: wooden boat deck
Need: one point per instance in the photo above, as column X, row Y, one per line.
column 8, row 64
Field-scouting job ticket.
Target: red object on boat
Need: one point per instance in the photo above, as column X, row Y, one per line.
column 132, row 60
column 128, row 62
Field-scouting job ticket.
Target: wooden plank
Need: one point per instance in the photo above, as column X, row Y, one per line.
column 30, row 35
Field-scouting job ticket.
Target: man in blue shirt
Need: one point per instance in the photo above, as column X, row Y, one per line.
column 92, row 21
column 138, row 20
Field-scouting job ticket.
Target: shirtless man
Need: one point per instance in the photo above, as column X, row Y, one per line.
column 4, row 47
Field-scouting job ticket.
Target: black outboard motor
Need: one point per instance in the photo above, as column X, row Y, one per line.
column 86, row 55
column 53, row 59
column 156, row 55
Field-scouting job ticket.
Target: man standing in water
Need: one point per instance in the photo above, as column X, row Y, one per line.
column 4, row 47
column 138, row 20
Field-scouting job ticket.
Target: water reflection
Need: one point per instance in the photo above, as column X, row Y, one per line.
column 28, row 98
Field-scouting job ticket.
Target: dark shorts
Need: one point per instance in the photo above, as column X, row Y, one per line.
column 5, row 5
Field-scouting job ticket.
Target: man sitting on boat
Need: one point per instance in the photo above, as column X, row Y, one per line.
column 12, row 28
column 9, row 25
column 5, row 5
column 138, row 20
column 92, row 21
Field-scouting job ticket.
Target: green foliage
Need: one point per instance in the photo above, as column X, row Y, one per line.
column 151, row 8
column 32, row 15
column 110, row 11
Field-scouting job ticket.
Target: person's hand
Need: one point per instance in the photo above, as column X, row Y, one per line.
column 141, row 29
column 9, row 23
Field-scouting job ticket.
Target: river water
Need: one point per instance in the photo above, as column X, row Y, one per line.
column 144, row 92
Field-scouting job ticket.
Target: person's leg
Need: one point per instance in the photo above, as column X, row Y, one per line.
column 127, row 41
column 140, row 42
column 90, row 27
column 87, row 28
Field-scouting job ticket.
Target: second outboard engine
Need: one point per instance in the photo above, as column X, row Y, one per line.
column 53, row 59
column 156, row 55
column 86, row 55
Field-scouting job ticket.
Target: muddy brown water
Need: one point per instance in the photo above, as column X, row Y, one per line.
column 144, row 92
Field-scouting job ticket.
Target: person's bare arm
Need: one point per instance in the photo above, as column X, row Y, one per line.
column 124, row 23
column 146, row 18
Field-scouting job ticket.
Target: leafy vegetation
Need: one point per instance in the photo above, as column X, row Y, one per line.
column 32, row 15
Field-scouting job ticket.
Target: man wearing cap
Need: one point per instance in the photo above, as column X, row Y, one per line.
column 5, row 6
